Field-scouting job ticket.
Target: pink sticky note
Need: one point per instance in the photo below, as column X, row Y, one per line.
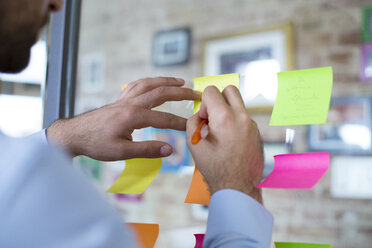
column 199, row 240
column 297, row 171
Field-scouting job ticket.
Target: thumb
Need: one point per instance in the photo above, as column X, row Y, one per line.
column 192, row 124
column 149, row 149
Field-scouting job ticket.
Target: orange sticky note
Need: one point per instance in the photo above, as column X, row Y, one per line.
column 124, row 86
column 198, row 191
column 146, row 234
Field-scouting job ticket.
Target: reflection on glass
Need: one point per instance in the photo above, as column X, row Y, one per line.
column 354, row 134
column 270, row 150
column 261, row 80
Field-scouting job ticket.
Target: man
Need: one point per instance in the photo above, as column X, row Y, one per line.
column 45, row 203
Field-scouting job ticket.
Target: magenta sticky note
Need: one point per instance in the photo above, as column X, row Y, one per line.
column 297, row 171
column 199, row 240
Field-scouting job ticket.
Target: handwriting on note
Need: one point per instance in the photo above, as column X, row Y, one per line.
column 297, row 171
column 136, row 176
column 303, row 97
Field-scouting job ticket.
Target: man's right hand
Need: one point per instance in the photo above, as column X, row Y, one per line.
column 231, row 156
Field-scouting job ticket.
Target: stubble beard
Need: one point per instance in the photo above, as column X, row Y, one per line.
column 15, row 58
column 15, row 48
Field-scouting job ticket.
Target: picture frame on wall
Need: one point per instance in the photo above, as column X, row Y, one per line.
column 348, row 127
column 367, row 23
column 180, row 157
column 171, row 47
column 366, row 62
column 257, row 55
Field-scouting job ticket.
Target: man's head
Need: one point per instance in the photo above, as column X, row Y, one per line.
column 20, row 24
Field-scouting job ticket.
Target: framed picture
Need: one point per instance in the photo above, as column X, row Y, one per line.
column 177, row 139
column 257, row 55
column 348, row 128
column 366, row 62
column 171, row 47
column 367, row 24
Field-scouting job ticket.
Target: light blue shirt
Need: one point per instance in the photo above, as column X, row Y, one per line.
column 45, row 202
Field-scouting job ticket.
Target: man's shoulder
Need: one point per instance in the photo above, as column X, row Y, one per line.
column 21, row 145
column 23, row 153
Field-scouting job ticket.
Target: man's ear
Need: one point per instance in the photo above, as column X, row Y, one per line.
column 55, row 5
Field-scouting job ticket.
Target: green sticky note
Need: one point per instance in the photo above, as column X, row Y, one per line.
column 136, row 176
column 300, row 245
column 303, row 97
column 220, row 81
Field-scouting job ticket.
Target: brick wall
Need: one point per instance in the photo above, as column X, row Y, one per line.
column 326, row 34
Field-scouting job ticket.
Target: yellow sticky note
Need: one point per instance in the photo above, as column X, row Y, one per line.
column 136, row 176
column 303, row 97
column 220, row 81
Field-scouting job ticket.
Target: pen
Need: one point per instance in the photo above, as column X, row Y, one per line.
column 196, row 137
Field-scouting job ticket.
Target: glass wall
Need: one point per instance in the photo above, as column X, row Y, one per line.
column 126, row 40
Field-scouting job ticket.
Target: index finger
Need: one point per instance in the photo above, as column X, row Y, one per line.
column 163, row 94
column 141, row 118
column 144, row 85
column 212, row 102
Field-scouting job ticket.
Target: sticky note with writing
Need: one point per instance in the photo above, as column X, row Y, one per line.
column 136, row 176
column 220, row 81
column 146, row 234
column 297, row 171
column 303, row 97
column 300, row 245
column 199, row 240
column 198, row 192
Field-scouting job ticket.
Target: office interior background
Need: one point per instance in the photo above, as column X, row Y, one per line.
column 122, row 41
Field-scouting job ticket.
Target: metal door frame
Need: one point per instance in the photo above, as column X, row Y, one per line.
column 59, row 91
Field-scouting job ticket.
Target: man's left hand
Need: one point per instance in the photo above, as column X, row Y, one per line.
column 106, row 133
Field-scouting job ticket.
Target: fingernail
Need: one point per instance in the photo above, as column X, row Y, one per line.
column 165, row 150
column 204, row 131
column 180, row 80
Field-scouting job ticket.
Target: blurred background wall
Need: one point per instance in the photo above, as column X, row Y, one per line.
column 119, row 34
